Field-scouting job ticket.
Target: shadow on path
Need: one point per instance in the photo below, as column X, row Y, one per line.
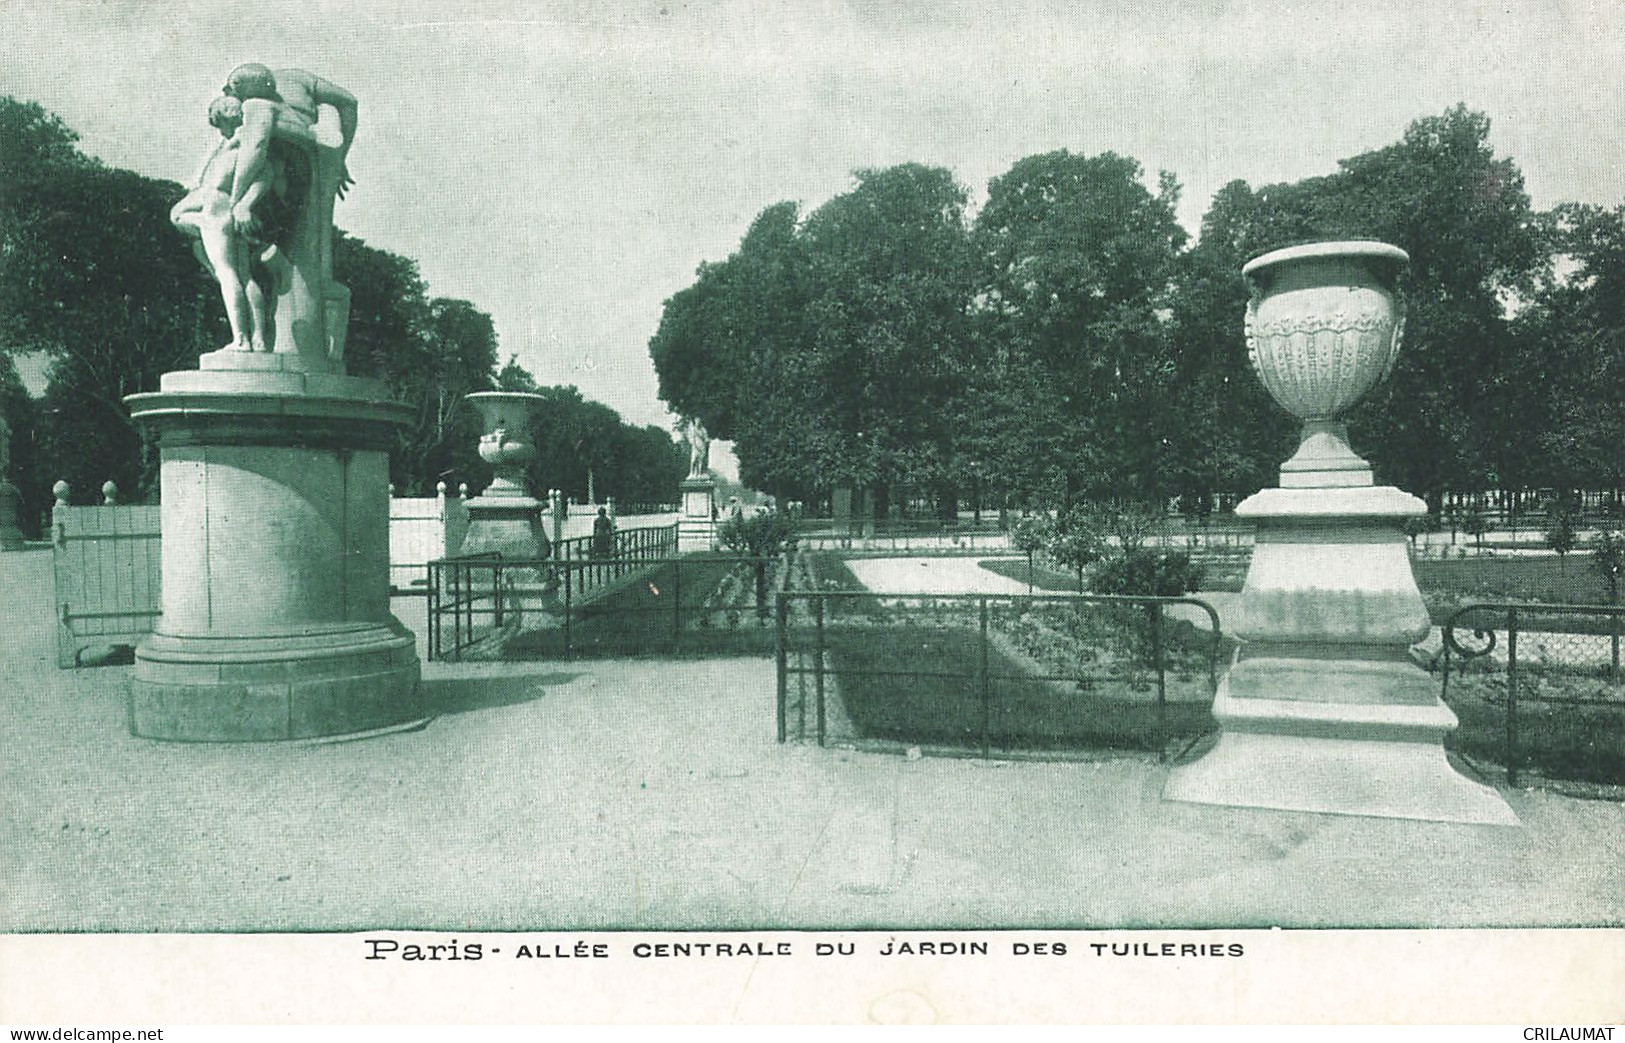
column 465, row 694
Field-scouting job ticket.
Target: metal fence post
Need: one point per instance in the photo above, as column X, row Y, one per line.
column 676, row 601
column 457, row 611
column 496, row 594
column 984, row 684
column 1162, row 680
column 1447, row 633
column 569, row 647
column 818, row 663
column 781, row 654
column 1512, row 696
column 431, row 603
column 1613, row 662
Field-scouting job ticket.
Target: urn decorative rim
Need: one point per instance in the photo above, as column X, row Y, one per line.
column 1341, row 249
column 523, row 399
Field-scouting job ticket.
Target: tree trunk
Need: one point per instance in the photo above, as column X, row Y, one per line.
column 882, row 501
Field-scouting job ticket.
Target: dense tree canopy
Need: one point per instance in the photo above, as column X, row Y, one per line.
column 1076, row 259
column 832, row 350
column 85, row 277
column 1069, row 342
column 1445, row 418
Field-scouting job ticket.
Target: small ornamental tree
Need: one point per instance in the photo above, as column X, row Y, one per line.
column 761, row 536
column 1077, row 540
column 1030, row 535
column 1608, row 558
column 1475, row 523
column 1415, row 527
column 1560, row 534
column 1143, row 571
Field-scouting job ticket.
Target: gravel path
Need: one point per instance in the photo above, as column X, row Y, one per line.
column 651, row 793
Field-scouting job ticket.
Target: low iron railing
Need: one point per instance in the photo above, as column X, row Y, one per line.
column 640, row 544
column 986, row 673
column 637, row 604
column 1561, row 661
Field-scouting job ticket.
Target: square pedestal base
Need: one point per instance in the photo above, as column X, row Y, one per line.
column 511, row 527
column 696, row 535
column 1339, row 759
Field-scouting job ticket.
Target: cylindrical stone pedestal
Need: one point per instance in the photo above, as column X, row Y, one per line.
column 275, row 606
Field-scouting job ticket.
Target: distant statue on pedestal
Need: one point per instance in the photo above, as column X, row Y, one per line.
column 699, row 447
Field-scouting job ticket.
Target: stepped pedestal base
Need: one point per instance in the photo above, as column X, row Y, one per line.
column 1338, row 758
column 697, row 528
column 507, row 525
column 331, row 681
column 1323, row 709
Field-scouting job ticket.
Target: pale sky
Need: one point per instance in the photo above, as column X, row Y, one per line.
column 565, row 166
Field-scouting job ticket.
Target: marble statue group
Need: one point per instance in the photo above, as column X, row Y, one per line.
column 246, row 200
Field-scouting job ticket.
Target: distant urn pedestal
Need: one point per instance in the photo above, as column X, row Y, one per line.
column 507, row 521
column 274, row 464
column 1323, row 708
column 697, row 525
column 505, row 518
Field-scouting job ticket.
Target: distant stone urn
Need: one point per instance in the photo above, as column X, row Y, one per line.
column 1323, row 328
column 505, row 417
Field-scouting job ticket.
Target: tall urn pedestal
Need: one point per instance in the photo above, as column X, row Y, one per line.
column 697, row 526
column 505, row 519
column 275, row 607
column 1323, row 708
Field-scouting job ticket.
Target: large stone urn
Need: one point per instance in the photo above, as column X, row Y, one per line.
column 1323, row 708
column 505, row 518
column 1323, row 328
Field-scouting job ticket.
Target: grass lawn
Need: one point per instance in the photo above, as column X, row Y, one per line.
column 1444, row 582
column 1041, row 577
column 1581, row 743
column 922, row 684
column 1224, row 574
column 1548, row 578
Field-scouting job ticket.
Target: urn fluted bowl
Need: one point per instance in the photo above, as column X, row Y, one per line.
column 505, row 418
column 1324, row 323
